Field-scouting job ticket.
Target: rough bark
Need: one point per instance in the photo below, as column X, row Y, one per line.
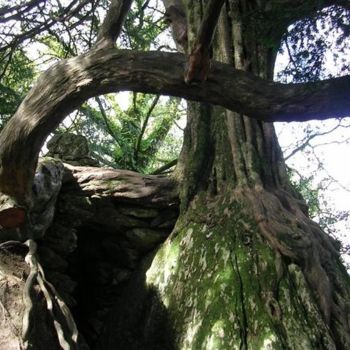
column 121, row 214
column 106, row 222
column 113, row 22
column 200, row 54
column 122, row 185
column 226, row 287
column 245, row 268
column 46, row 321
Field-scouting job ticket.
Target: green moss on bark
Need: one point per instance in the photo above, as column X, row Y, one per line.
column 225, row 288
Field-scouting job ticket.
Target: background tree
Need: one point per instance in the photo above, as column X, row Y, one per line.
column 245, row 266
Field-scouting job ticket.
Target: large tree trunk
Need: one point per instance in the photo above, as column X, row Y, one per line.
column 245, row 267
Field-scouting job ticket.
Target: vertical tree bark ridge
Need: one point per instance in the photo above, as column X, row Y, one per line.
column 302, row 241
column 200, row 54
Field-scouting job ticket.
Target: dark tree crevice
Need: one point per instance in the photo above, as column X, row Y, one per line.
column 94, row 252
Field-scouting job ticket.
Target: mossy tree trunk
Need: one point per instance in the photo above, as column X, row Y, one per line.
column 245, row 267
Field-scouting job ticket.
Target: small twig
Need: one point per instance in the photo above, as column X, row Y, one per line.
column 144, row 125
column 175, row 122
column 105, row 119
column 165, row 167
column 7, row 64
column 290, row 55
column 306, row 141
column 331, row 178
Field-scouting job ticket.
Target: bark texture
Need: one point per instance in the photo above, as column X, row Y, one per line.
column 73, row 266
column 200, row 54
column 106, row 222
column 243, row 268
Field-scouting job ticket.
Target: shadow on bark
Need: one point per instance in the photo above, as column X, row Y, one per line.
column 139, row 320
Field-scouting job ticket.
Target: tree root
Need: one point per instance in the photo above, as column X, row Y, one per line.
column 54, row 303
column 299, row 240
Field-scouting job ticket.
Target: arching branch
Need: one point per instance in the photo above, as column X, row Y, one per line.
column 62, row 89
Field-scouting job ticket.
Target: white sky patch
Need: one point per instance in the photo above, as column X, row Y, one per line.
column 123, row 100
column 333, row 157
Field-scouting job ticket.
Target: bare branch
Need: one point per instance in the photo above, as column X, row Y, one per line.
column 65, row 14
column 144, row 125
column 112, row 24
column 165, row 167
column 105, row 119
column 306, row 141
column 5, row 11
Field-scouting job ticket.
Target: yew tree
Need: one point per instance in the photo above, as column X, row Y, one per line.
column 244, row 267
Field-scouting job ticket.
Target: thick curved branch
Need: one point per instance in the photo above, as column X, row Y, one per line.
column 62, row 88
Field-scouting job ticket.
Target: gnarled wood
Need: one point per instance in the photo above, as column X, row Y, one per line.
column 124, row 186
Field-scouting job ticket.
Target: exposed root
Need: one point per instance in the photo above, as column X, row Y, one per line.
column 67, row 333
column 291, row 233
